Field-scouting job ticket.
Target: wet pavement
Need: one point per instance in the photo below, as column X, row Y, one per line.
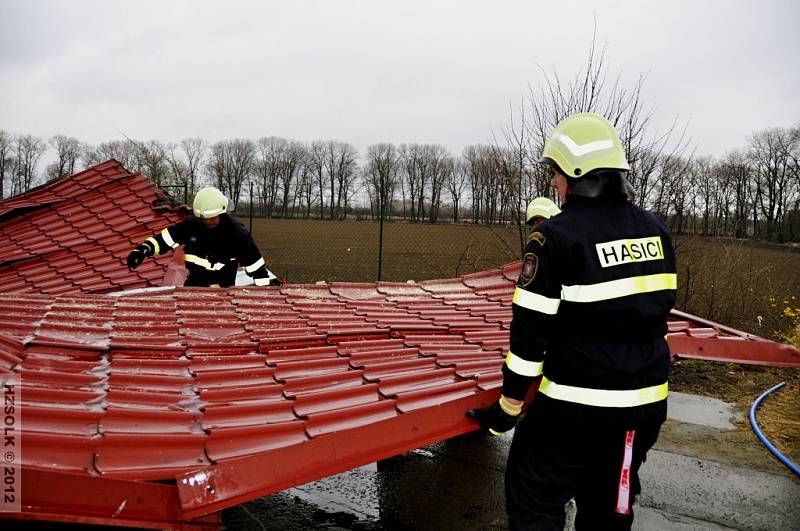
column 699, row 476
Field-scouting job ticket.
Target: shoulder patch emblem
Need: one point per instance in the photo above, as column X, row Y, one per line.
column 537, row 237
column 530, row 264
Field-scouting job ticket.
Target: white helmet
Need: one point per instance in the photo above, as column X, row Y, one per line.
column 210, row 202
column 541, row 207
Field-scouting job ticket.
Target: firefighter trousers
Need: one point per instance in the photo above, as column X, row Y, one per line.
column 555, row 457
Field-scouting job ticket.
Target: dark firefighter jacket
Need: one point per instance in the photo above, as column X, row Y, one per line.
column 212, row 256
column 590, row 309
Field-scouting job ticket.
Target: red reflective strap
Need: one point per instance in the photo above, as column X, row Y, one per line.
column 624, row 487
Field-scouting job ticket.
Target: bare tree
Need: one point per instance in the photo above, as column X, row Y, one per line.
column 793, row 215
column 770, row 151
column 194, row 151
column 6, row 161
column 123, row 151
column 475, row 158
column 241, row 165
column 217, row 165
column 230, row 165
column 411, row 164
column 488, row 180
column 28, row 150
column 278, row 165
column 653, row 160
column 441, row 166
column 524, row 179
column 306, row 189
column 680, row 181
column 720, row 192
column 151, row 160
column 380, row 175
column 340, row 166
column 794, row 155
column 423, row 174
column 590, row 91
column 721, row 222
column 68, row 151
column 506, row 174
column 703, row 173
column 177, row 171
column 423, row 171
column 296, row 156
column 316, row 169
column 268, row 166
column 333, row 167
column 456, row 182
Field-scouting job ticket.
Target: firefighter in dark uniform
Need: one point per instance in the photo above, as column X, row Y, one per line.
column 214, row 245
column 589, row 323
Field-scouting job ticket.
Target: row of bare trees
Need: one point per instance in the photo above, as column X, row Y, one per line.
column 754, row 190
column 289, row 178
column 19, row 159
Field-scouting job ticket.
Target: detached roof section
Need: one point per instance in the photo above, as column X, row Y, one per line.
column 236, row 393
column 154, row 386
column 72, row 235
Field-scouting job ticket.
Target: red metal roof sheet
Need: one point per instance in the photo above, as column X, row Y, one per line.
column 72, row 235
column 158, row 385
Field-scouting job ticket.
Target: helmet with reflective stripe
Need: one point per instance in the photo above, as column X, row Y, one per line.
column 210, row 202
column 541, row 207
column 582, row 143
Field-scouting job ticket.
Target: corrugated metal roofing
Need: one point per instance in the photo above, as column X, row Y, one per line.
column 72, row 235
column 207, row 371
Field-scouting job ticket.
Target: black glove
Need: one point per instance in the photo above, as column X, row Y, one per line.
column 493, row 418
column 136, row 257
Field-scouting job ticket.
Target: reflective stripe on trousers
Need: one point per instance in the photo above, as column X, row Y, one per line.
column 202, row 262
column 254, row 266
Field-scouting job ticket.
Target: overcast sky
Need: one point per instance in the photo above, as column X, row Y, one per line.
column 372, row 71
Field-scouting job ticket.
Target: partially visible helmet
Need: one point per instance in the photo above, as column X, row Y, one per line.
column 210, row 202
column 582, row 143
column 541, row 207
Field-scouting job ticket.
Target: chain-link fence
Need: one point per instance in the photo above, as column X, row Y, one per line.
column 741, row 283
column 351, row 251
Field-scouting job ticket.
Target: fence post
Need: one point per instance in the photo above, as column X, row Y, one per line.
column 380, row 238
column 251, row 207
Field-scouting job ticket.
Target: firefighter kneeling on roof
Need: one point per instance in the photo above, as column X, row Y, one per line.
column 214, row 245
column 589, row 322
